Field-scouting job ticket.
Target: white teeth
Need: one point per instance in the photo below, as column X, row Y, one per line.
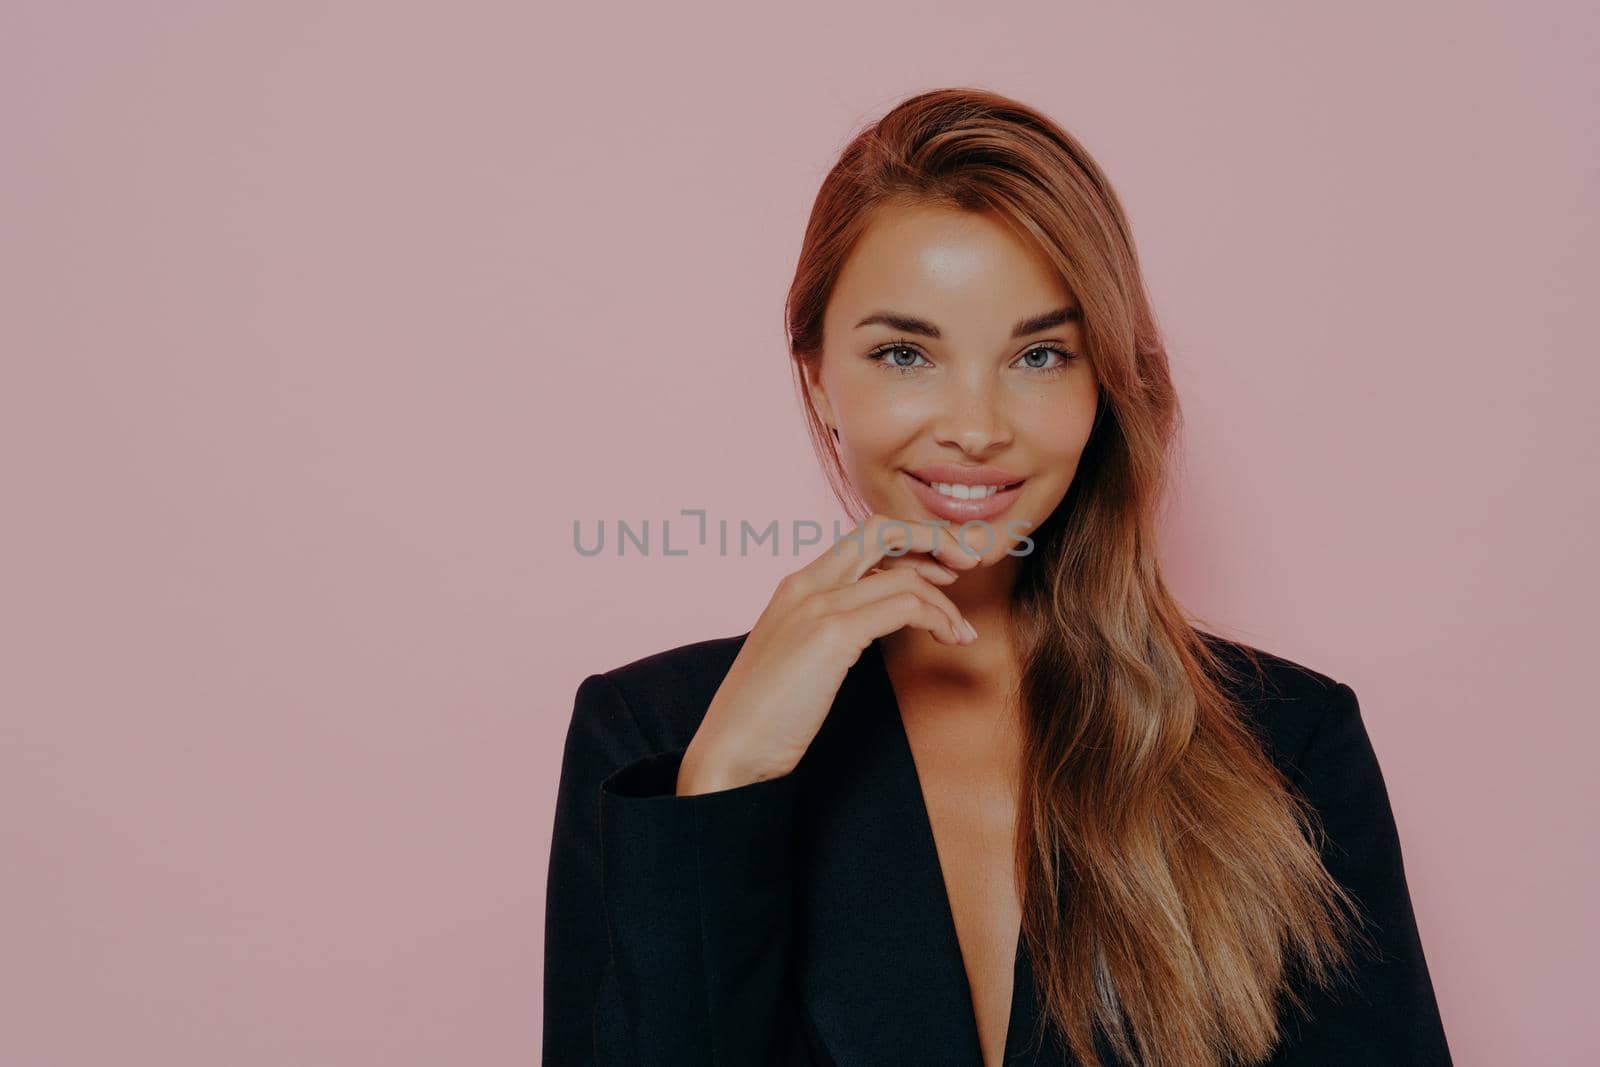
column 966, row 492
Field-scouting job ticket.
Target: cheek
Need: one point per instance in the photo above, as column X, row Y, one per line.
column 1056, row 433
column 876, row 428
column 874, row 419
column 1064, row 440
column 1057, row 424
column 871, row 396
column 865, row 449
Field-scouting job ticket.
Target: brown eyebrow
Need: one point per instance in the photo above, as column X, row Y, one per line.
column 911, row 324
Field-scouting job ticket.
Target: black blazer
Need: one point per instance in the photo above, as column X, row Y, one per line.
column 804, row 919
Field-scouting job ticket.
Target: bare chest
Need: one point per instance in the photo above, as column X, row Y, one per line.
column 966, row 761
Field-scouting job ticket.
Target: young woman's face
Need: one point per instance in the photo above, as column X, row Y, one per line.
column 943, row 348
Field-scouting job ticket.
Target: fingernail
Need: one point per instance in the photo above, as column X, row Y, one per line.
column 972, row 634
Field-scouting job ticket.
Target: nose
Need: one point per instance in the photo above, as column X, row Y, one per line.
column 972, row 418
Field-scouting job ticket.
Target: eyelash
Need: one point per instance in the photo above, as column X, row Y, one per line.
column 877, row 356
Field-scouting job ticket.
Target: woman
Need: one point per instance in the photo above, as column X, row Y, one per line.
column 962, row 796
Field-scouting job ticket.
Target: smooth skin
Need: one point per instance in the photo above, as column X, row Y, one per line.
column 973, row 396
column 899, row 400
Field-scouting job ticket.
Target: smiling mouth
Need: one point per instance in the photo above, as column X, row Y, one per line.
column 958, row 491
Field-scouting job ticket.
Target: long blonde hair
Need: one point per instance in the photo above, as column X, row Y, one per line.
column 1172, row 890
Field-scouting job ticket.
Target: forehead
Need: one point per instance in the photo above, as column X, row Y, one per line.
column 944, row 264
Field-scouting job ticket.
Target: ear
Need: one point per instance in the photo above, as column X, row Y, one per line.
column 812, row 370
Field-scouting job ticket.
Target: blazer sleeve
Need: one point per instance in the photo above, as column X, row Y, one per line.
column 1388, row 1014
column 668, row 919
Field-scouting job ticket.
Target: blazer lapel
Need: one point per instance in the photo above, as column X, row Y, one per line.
column 877, row 955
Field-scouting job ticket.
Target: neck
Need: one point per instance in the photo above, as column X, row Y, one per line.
column 984, row 597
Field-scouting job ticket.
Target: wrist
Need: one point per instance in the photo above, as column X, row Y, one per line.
column 707, row 768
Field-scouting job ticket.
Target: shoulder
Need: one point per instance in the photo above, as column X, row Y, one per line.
column 1285, row 703
column 666, row 693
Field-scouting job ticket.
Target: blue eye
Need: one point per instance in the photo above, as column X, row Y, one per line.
column 1066, row 357
column 889, row 357
column 890, row 350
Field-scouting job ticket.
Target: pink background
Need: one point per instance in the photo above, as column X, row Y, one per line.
column 324, row 321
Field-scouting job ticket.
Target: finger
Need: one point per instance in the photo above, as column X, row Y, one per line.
column 931, row 569
column 882, row 536
column 944, row 543
column 888, row 584
column 950, row 548
column 884, row 615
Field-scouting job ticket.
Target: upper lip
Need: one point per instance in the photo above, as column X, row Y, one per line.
column 952, row 474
